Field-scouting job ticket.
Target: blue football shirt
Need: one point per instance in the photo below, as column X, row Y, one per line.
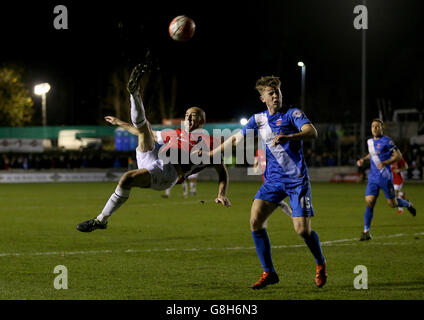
column 380, row 150
column 284, row 163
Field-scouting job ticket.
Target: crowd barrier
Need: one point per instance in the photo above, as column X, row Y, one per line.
column 325, row 174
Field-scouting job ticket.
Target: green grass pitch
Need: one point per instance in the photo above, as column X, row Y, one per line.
column 166, row 249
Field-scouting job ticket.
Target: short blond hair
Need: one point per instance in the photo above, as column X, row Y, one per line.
column 267, row 81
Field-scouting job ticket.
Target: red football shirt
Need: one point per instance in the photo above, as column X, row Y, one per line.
column 183, row 144
column 397, row 176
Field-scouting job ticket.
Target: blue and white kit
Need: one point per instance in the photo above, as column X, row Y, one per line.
column 286, row 173
column 380, row 150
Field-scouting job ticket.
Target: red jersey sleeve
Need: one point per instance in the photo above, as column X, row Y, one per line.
column 165, row 136
column 401, row 163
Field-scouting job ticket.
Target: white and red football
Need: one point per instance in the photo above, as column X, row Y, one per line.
column 181, row 28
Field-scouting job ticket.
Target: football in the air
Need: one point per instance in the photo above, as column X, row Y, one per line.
column 181, row 28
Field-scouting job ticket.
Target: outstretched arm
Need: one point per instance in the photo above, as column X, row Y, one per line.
column 122, row 124
column 126, row 126
column 233, row 140
column 307, row 132
column 222, row 171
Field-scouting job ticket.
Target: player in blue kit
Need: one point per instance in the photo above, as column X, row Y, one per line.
column 382, row 153
column 286, row 174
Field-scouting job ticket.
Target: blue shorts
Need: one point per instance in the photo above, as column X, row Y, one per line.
column 373, row 188
column 299, row 197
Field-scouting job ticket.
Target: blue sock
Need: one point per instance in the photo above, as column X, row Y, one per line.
column 369, row 213
column 263, row 249
column 402, row 203
column 313, row 243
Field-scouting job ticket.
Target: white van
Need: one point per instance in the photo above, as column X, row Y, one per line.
column 78, row 140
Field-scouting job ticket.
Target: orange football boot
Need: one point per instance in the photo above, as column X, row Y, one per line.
column 321, row 275
column 266, row 278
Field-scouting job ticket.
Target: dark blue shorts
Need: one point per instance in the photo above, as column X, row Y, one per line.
column 373, row 188
column 299, row 197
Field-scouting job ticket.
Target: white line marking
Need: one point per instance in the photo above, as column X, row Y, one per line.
column 137, row 205
column 323, row 243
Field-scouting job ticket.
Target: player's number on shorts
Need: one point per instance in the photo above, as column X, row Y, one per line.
column 306, row 202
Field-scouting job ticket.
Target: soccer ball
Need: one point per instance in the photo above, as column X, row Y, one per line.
column 181, row 28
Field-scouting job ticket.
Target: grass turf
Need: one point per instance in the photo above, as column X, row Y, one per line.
column 183, row 249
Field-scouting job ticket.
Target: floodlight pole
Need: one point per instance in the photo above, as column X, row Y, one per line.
column 41, row 90
column 302, row 85
column 363, row 88
column 44, row 109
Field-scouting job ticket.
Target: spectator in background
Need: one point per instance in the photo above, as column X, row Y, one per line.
column 25, row 163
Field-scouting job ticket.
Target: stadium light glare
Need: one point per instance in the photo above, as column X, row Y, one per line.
column 300, row 64
column 243, row 121
column 41, row 90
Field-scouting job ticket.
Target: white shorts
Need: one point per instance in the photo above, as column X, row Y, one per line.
column 193, row 176
column 163, row 176
column 397, row 186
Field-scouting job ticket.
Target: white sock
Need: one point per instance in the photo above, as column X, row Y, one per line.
column 168, row 191
column 115, row 201
column 138, row 116
column 193, row 187
column 185, row 186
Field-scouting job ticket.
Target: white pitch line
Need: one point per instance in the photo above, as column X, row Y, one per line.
column 138, row 205
column 323, row 243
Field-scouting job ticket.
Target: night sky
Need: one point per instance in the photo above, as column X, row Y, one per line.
column 235, row 43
